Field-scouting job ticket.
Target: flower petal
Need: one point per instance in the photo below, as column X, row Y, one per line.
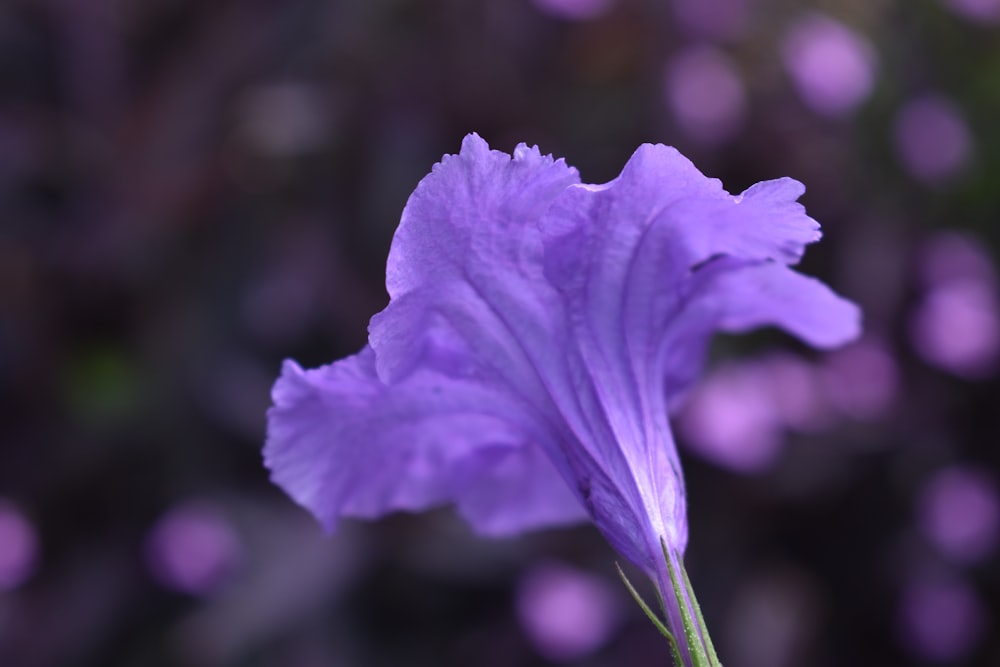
column 523, row 349
column 625, row 254
column 464, row 272
column 342, row 443
column 478, row 206
column 629, row 259
column 770, row 294
column 470, row 300
column 659, row 187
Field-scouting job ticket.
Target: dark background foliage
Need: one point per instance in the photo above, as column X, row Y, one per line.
column 192, row 191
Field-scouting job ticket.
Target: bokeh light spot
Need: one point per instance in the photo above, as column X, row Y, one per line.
column 949, row 256
column 731, row 419
column 18, row 547
column 192, row 549
column 706, row 94
column 932, row 139
column 862, row 379
column 798, row 392
column 716, row 19
column 575, row 10
column 940, row 619
column 957, row 328
column 960, row 513
column 831, row 65
column 566, row 613
column 980, row 11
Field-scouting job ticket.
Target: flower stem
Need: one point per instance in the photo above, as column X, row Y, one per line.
column 697, row 650
column 696, row 635
column 651, row 615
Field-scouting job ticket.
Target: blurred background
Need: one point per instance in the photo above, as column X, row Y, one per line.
column 192, row 191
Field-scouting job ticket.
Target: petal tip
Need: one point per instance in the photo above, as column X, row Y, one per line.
column 473, row 143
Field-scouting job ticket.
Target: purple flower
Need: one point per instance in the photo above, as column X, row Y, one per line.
column 538, row 333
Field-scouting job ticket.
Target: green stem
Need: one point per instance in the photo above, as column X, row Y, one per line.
column 712, row 656
column 674, row 649
column 697, row 640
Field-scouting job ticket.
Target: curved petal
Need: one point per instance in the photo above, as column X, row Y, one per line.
column 342, row 443
column 770, row 294
column 660, row 188
column 515, row 490
column 489, row 338
column 630, row 259
column 464, row 272
column 735, row 296
column 623, row 255
column 478, row 206
column 486, row 311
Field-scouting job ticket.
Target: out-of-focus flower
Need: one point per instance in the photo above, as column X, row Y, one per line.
column 862, row 379
column 715, row 19
column 957, row 328
column 566, row 613
column 940, row 617
column 956, row 325
column 18, row 547
column 960, row 513
column 832, row 66
column 932, row 139
column 706, row 94
column 731, row 419
column 575, row 10
column 192, row 549
column 540, row 329
column 982, row 11
column 737, row 417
